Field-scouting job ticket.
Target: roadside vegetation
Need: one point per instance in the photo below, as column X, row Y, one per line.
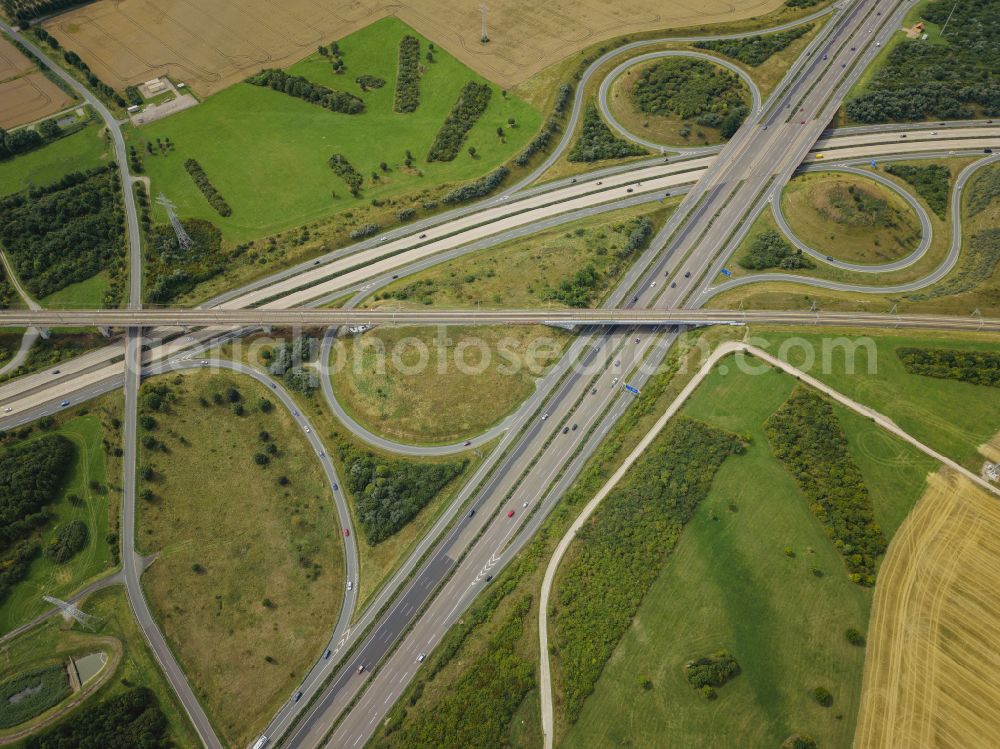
column 975, row 367
column 932, row 182
column 756, row 50
column 602, row 580
column 943, row 77
column 749, row 562
column 540, row 269
column 131, row 667
column 597, row 143
column 250, row 568
column 66, row 232
column 61, row 345
column 444, row 401
column 131, row 719
column 850, row 218
column 31, row 693
column 771, row 250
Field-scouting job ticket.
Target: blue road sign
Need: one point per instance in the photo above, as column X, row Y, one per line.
column 633, row 390
column 726, row 272
column 874, row 163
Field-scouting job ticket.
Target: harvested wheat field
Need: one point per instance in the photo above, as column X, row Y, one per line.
column 213, row 45
column 932, row 676
column 29, row 98
column 12, row 62
column 992, row 449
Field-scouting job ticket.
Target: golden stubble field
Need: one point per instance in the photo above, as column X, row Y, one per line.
column 213, row 45
column 932, row 676
column 25, row 94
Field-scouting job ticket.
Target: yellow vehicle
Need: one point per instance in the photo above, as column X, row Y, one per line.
column 819, row 156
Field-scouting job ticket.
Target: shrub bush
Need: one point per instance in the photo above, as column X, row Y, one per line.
column 472, row 102
column 407, row 96
column 213, row 196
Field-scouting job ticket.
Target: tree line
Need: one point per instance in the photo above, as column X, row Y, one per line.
column 770, row 250
column 468, row 108
column 212, row 195
column 24, row 11
column 314, row 93
column 132, row 720
column 65, row 232
column 95, row 83
column 597, row 142
column 28, row 138
column 407, row 97
column 622, row 550
column 940, row 81
column 389, row 492
column 977, row 367
column 806, row 436
column 478, row 189
column 552, row 126
column 755, row 50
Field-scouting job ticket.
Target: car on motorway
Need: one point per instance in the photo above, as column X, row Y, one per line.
column 673, row 285
column 544, row 417
column 260, row 743
column 574, row 427
column 420, row 658
column 421, row 236
column 629, row 189
column 524, row 504
column 361, row 668
column 510, row 513
column 8, row 410
column 565, row 430
column 64, row 404
column 987, row 150
column 687, row 275
column 307, row 430
column 614, row 382
column 593, row 391
column 297, row 697
column 55, row 371
column 347, row 532
column 651, row 285
column 384, row 238
column 327, row 654
column 467, row 443
column 350, row 585
column 336, row 488
column 472, row 512
column 618, row 362
column 637, row 340
column 315, row 262
column 489, row 577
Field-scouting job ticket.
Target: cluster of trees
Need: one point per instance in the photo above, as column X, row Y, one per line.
column 389, row 492
column 984, row 187
column 797, row 740
column 18, row 142
column 301, row 88
column 336, row 57
column 802, row 3
column 65, row 232
column 31, row 475
column 95, row 83
column 367, row 82
column 287, row 362
column 977, row 367
column 770, row 250
column 552, row 126
column 476, row 711
column 24, row 11
column 621, row 551
column 931, row 182
column 408, row 76
column 133, row 96
column 469, row 107
column 948, row 81
column 687, row 88
column 171, row 270
column 346, row 171
column 126, row 721
column 478, row 189
column 212, row 195
column 705, row 674
column 36, row 692
column 576, row 291
column 806, row 436
column 363, row 232
column 69, row 539
column 597, row 142
column 978, row 262
column 754, row 50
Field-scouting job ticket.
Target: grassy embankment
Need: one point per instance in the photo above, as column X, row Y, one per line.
column 250, row 571
column 78, row 152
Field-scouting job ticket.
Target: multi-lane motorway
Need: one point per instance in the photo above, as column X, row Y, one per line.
column 535, row 462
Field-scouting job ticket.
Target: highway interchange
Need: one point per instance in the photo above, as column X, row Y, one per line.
column 723, row 191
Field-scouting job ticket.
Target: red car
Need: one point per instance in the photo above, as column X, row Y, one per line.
column 510, row 514
column 346, row 533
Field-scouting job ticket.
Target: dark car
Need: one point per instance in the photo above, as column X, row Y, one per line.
column 687, row 275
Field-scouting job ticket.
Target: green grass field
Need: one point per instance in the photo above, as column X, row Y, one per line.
column 250, row 573
column 47, row 577
column 515, row 274
column 850, row 218
column 74, row 153
column 730, row 585
column 137, row 667
column 954, row 418
column 267, row 152
column 87, row 294
column 443, row 401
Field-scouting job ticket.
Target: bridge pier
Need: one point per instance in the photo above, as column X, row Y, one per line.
column 43, row 332
column 104, row 330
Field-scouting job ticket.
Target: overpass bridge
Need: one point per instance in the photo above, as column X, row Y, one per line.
column 279, row 318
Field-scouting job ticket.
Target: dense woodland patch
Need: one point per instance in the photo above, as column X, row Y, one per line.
column 173, row 271
column 977, row 367
column 932, row 183
column 770, row 250
column 756, row 50
column 128, row 721
column 597, row 142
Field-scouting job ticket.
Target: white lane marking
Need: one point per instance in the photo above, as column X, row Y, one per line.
column 374, row 718
column 358, row 739
column 388, row 698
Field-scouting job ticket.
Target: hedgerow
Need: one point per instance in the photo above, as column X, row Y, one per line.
column 806, row 436
column 468, row 108
column 407, row 75
column 389, row 492
column 212, row 195
column 346, row 171
column 478, row 189
column 597, row 142
column 301, row 88
column 622, row 549
column 977, row 367
column 541, row 141
column 755, row 50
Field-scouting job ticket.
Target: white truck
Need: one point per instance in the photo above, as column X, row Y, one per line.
column 260, row 743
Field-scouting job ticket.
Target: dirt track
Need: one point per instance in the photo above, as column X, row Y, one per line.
column 213, row 45
column 932, row 676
